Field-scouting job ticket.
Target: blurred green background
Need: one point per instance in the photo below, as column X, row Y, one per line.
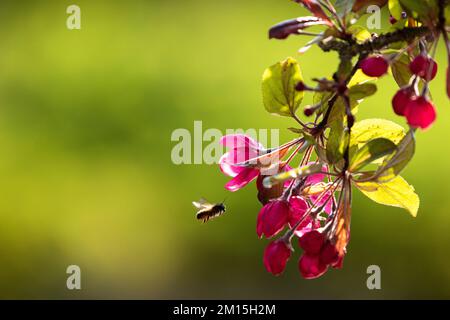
column 86, row 176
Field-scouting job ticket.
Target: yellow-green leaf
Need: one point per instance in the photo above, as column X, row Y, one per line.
column 278, row 87
column 369, row 129
column 359, row 33
column 337, row 142
column 393, row 165
column 400, row 70
column 396, row 192
column 371, row 151
column 395, row 8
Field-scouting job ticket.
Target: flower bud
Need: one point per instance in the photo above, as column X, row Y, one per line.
column 309, row 111
column 312, row 242
column 401, row 99
column 421, row 66
column 374, row 66
column 329, row 254
column 310, row 266
column 392, row 20
column 300, row 86
column 276, row 255
column 297, row 209
column 272, row 218
column 420, row 112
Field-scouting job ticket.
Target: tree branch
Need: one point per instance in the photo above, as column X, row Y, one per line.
column 351, row 49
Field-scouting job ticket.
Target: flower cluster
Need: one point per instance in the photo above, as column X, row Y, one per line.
column 305, row 186
column 416, row 107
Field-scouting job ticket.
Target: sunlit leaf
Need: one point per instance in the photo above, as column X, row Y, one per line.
column 426, row 9
column 393, row 165
column 369, row 129
column 278, row 87
column 358, row 78
column 371, row 151
column 395, row 8
column 400, row 70
column 359, row 33
column 337, row 142
column 361, row 91
column 396, row 193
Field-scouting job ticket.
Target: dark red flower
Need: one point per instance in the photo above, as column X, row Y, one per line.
column 276, row 255
column 401, row 99
column 311, row 267
column 420, row 112
column 339, row 263
column 374, row 66
column 329, row 254
column 297, row 209
column 392, row 20
column 272, row 218
column 421, row 66
column 312, row 242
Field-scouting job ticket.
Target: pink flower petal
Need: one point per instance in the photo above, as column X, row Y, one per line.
column 420, row 113
column 234, row 156
column 327, row 198
column 318, row 177
column 242, row 179
column 272, row 218
column 276, row 256
column 233, row 141
column 311, row 267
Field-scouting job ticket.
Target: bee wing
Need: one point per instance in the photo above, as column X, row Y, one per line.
column 201, row 204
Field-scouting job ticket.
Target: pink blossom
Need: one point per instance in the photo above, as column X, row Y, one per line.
column 420, row 113
column 327, row 198
column 312, row 242
column 272, row 218
column 242, row 148
column 329, row 254
column 297, row 209
column 276, row 256
column 311, row 267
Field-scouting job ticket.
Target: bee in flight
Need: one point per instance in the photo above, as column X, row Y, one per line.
column 208, row 210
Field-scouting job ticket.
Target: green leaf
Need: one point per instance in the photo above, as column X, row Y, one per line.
column 344, row 69
column 396, row 193
column 425, row 9
column 278, row 87
column 322, row 97
column 338, row 111
column 400, row 70
column 358, row 78
column 371, row 151
column 395, row 8
column 393, row 165
column 359, row 33
column 343, row 7
column 296, row 130
column 337, row 142
column 302, row 171
column 416, row 6
column 369, row 129
column 361, row 91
